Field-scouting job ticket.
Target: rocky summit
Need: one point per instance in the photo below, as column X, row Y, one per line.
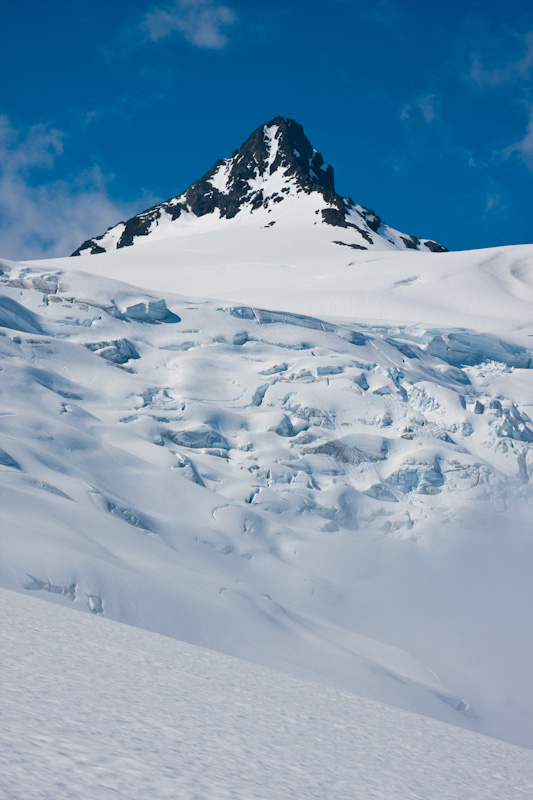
column 275, row 177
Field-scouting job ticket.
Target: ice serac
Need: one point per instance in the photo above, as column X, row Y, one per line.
column 276, row 176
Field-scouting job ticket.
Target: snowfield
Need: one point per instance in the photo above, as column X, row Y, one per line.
column 299, row 269
column 91, row 708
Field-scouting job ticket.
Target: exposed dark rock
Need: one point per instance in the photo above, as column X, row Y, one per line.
column 138, row 226
column 414, row 243
column 411, row 242
column 334, row 216
column 175, row 210
column 353, row 246
column 435, row 247
column 89, row 245
column 364, row 234
column 371, row 218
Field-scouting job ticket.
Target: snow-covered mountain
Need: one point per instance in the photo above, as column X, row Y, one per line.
column 275, row 178
column 282, row 442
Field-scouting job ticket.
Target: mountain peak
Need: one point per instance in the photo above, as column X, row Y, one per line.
column 276, row 159
column 281, row 144
column 276, row 164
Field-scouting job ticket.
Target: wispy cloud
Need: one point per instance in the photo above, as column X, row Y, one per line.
column 428, row 134
column 425, row 106
column 523, row 148
column 203, row 23
column 494, row 203
column 496, row 61
column 40, row 217
column 428, row 107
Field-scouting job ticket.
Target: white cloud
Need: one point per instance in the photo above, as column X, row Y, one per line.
column 49, row 218
column 203, row 23
column 40, row 146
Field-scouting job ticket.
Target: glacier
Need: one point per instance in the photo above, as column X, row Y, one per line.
column 258, row 421
column 318, row 494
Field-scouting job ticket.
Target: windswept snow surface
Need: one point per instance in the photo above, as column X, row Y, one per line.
column 91, row 708
column 347, row 499
column 300, row 269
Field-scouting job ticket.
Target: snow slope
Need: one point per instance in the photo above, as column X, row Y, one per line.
column 91, row 708
column 299, row 269
column 346, row 502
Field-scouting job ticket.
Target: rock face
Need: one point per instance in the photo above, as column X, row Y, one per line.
column 275, row 164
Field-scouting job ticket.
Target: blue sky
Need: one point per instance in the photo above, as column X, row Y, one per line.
column 424, row 109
